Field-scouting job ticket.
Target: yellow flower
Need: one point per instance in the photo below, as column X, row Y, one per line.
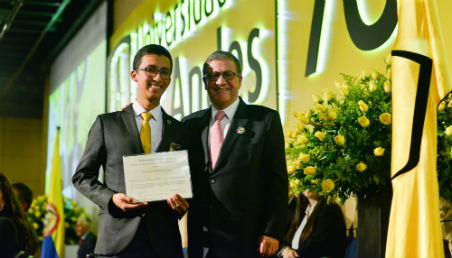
column 388, row 59
column 37, row 214
column 379, row 151
column 290, row 169
column 66, row 225
column 339, row 139
column 332, row 115
column 291, row 134
column 441, row 106
column 74, row 219
column 327, row 185
column 388, row 73
column 316, row 98
column 385, row 118
column 309, row 170
column 304, row 157
column 319, row 135
column 304, row 118
column 300, row 126
column 363, row 121
column 449, row 130
column 363, row 75
column 35, row 225
column 374, row 75
column 337, row 84
column 361, row 166
column 387, row 86
column 294, row 183
column 319, row 107
column 328, row 95
column 363, row 106
column 302, row 139
column 372, row 86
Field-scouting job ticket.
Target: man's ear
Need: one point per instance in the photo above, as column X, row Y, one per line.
column 133, row 75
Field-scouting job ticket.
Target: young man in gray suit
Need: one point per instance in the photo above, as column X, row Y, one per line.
column 238, row 166
column 127, row 228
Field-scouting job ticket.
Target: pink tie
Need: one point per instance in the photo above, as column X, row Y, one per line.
column 216, row 138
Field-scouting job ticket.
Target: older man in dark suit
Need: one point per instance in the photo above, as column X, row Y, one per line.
column 238, row 170
column 127, row 228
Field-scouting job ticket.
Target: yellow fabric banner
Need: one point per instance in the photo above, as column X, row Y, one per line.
column 53, row 242
column 420, row 80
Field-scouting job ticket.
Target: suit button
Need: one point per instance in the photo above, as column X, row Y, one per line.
column 212, row 181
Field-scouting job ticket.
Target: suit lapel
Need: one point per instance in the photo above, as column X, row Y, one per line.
column 205, row 136
column 238, row 123
column 167, row 133
column 128, row 117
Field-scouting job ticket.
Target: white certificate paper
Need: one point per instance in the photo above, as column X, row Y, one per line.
column 157, row 176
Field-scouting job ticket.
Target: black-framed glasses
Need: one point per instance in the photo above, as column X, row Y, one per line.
column 151, row 71
column 227, row 75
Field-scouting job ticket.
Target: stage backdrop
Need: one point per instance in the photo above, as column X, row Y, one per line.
column 290, row 49
column 77, row 95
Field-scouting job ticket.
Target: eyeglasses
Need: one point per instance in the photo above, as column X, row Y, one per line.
column 228, row 75
column 152, row 71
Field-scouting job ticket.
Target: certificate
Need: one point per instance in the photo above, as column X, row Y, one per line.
column 157, row 176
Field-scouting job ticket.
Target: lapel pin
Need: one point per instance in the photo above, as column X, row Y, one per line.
column 240, row 130
column 174, row 146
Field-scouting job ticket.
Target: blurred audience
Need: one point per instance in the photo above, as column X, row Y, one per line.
column 87, row 239
column 15, row 233
column 23, row 194
column 315, row 228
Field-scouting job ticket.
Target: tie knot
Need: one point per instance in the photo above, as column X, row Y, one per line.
column 220, row 115
column 146, row 116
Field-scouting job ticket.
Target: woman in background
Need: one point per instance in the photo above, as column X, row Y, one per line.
column 15, row 232
column 315, row 228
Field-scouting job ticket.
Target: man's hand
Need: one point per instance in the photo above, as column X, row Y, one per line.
column 126, row 203
column 268, row 246
column 178, row 204
column 289, row 253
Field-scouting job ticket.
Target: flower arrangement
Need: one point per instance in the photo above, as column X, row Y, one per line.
column 444, row 163
column 342, row 146
column 36, row 217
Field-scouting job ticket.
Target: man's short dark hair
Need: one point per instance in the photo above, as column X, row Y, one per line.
column 25, row 194
column 151, row 49
column 221, row 55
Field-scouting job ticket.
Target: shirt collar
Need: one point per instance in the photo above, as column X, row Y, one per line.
column 229, row 111
column 156, row 112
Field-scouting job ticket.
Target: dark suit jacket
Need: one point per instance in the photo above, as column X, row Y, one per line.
column 111, row 137
column 328, row 237
column 9, row 238
column 245, row 196
column 87, row 246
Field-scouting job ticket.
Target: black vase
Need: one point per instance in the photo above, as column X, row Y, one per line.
column 373, row 219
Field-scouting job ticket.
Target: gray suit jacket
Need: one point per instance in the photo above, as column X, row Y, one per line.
column 111, row 137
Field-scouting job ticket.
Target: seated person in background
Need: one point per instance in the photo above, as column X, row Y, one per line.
column 315, row 228
column 15, row 232
column 23, row 194
column 87, row 239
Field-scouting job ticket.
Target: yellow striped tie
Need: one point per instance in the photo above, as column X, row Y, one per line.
column 145, row 133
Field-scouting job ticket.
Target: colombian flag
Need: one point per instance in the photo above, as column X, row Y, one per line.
column 420, row 80
column 53, row 241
